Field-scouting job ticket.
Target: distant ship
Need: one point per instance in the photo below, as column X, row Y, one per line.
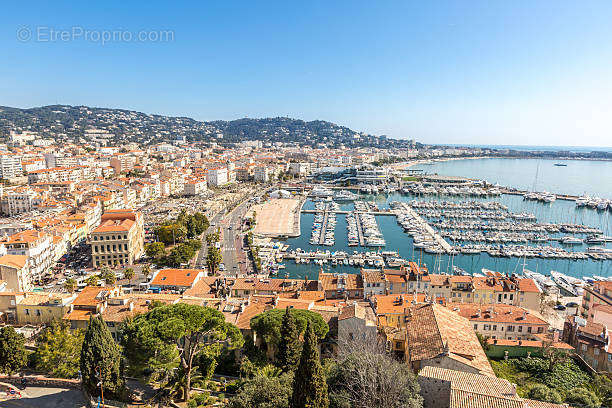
column 560, row 164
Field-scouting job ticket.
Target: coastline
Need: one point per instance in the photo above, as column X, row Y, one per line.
column 411, row 163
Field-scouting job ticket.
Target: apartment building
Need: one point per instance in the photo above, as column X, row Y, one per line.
column 118, row 240
column 591, row 341
column 491, row 289
column 15, row 272
column 10, row 166
column 194, row 187
column 17, row 201
column 299, row 169
column 499, row 321
column 261, row 174
column 37, row 246
column 217, row 176
column 122, row 163
column 600, row 293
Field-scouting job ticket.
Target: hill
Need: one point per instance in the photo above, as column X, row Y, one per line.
column 70, row 123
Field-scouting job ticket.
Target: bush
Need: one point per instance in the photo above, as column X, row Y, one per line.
column 564, row 376
column 198, row 400
column 582, row 397
column 541, row 392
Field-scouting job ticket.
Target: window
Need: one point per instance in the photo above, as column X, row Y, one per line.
column 27, row 312
column 476, row 295
column 584, row 346
column 540, row 329
column 596, row 351
column 529, row 329
column 510, row 328
column 494, row 327
column 37, row 312
column 475, row 326
column 487, row 327
column 511, row 296
column 520, row 329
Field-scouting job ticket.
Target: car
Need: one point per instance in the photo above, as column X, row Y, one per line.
column 49, row 286
column 559, row 307
column 221, row 267
column 571, row 304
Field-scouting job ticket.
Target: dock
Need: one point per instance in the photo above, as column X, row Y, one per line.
column 323, row 227
column 359, row 230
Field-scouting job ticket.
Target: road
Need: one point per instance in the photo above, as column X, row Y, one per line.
column 38, row 397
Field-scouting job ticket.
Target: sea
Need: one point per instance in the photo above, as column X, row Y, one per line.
column 580, row 177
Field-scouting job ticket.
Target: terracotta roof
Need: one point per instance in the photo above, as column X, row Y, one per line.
column 541, row 404
column 395, row 304
column 372, row 275
column 91, row 296
column 498, row 313
column 434, row 330
column 528, row 343
column 527, row 285
column 14, row 261
column 282, row 303
column 332, row 281
column 176, row 277
column 466, row 399
column 113, row 225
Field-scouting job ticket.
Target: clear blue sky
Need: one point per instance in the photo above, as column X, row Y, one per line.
column 489, row 72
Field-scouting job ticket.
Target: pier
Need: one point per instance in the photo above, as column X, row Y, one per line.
column 359, row 230
column 324, row 227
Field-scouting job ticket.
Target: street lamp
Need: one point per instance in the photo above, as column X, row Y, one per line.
column 100, row 384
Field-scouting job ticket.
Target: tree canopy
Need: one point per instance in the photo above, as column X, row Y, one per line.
column 13, row 355
column 172, row 335
column 268, row 324
column 58, row 350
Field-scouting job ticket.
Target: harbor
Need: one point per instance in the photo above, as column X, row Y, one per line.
column 448, row 234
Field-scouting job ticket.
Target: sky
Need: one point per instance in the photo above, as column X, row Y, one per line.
column 469, row 72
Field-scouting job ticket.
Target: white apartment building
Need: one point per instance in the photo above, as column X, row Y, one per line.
column 17, row 201
column 10, row 166
column 194, row 187
column 37, row 246
column 299, row 169
column 261, row 174
column 217, row 176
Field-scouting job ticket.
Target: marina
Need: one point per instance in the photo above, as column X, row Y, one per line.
column 453, row 234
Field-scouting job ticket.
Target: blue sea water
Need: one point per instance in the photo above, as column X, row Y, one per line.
column 579, row 177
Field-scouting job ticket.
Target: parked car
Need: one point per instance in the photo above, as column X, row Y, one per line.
column 559, row 307
column 571, row 304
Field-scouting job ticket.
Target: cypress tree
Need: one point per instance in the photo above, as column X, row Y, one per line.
column 309, row 386
column 289, row 346
column 100, row 356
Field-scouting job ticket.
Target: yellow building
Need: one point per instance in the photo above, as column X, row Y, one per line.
column 118, row 240
column 42, row 308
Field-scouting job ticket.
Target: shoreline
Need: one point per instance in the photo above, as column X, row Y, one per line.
column 408, row 164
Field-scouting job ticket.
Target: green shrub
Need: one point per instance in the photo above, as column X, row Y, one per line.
column 582, row 397
column 541, row 392
column 198, row 400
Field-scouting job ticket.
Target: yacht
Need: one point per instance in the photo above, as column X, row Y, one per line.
column 569, row 240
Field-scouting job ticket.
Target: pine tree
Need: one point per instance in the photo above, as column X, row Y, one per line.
column 100, row 356
column 309, row 386
column 288, row 355
column 13, row 355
